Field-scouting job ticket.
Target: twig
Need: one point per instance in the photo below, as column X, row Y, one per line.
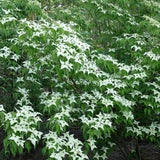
column 75, row 84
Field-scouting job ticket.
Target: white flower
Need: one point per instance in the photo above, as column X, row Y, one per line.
column 145, row 96
column 66, row 65
column 152, row 56
column 92, row 143
column 128, row 114
column 77, row 59
column 20, row 79
column 23, row 100
column 14, row 68
column 1, row 108
column 97, row 156
column 6, row 11
column 15, row 57
column 124, row 67
column 107, row 102
column 17, row 140
column 136, row 48
column 152, row 129
column 33, row 139
column 84, row 0
column 137, row 131
column 6, row 52
column 72, row 99
column 57, row 156
column 152, row 21
column 37, row 133
column 111, row 50
column 111, row 144
column 123, row 101
column 7, row 19
column 140, row 42
column 27, row 64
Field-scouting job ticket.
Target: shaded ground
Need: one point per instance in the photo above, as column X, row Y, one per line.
column 148, row 152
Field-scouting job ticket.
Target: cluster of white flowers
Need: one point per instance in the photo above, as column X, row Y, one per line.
column 98, row 122
column 90, row 67
column 141, row 75
column 98, row 156
column 129, row 36
column 74, row 39
column 135, row 93
column 151, row 130
column 5, row 52
column 136, row 48
column 92, row 143
column 7, row 19
column 152, row 56
column 157, row 99
column 152, row 3
column 66, row 65
column 125, row 102
column 25, row 96
column 22, row 122
column 64, row 145
column 60, row 117
column 34, row 2
column 132, row 21
column 48, row 102
column 116, row 83
column 115, row 10
column 6, row 11
column 84, row 0
column 144, row 96
column 67, row 27
column 15, row 57
column 156, row 85
column 128, row 115
column 152, row 21
column 120, row 66
column 140, row 42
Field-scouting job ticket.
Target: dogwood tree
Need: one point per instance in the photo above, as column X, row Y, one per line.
column 95, row 71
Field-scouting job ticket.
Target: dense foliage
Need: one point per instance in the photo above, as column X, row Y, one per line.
column 86, row 66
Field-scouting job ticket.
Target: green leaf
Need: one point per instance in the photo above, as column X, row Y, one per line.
column 58, row 129
column 20, row 150
column 6, row 143
column 28, row 145
column 44, row 151
column 13, row 148
column 86, row 148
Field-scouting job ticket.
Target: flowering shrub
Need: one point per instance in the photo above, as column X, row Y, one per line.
column 54, row 77
column 21, row 128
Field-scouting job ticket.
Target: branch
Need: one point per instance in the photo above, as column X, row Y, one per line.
column 75, row 84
